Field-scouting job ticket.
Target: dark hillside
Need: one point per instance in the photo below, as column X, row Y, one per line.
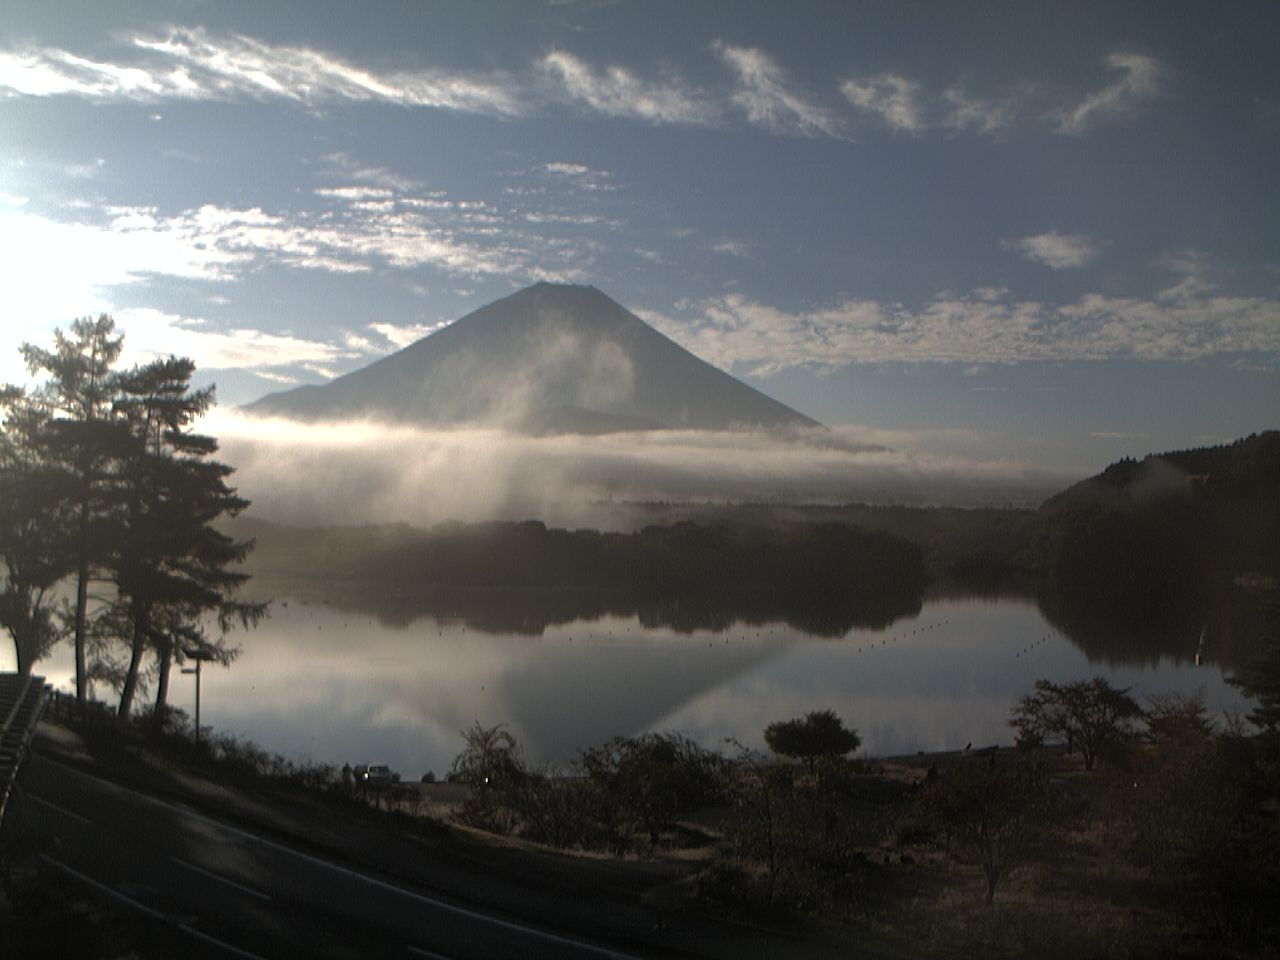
column 1154, row 546
column 1220, row 503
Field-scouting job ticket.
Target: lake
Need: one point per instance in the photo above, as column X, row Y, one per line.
column 331, row 685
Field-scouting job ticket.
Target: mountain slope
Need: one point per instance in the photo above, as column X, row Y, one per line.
column 548, row 359
column 1143, row 547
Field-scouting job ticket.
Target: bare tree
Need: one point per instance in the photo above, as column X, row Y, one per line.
column 995, row 812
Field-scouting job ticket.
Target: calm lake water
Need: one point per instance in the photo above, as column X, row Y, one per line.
column 329, row 685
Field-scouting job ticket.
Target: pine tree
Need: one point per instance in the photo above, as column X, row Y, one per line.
column 33, row 527
column 78, row 395
column 170, row 565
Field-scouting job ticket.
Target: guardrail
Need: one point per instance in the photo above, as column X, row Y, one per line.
column 22, row 701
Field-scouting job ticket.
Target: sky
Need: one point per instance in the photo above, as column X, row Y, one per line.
column 1038, row 234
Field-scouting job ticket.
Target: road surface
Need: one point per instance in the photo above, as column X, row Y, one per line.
column 232, row 892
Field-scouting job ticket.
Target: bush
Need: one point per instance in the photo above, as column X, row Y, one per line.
column 644, row 783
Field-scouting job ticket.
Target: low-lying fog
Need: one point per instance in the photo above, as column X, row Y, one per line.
column 362, row 472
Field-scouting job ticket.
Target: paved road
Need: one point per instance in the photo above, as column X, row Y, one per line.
column 232, row 893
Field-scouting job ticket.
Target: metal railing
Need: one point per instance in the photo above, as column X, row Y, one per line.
column 22, row 701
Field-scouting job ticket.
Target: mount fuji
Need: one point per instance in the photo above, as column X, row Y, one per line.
column 548, row 359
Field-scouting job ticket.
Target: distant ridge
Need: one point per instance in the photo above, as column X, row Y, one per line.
column 1247, row 467
column 549, row 359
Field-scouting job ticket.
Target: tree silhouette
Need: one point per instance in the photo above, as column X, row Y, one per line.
column 101, row 474
column 170, row 565
column 995, row 811
column 818, row 734
column 32, row 528
column 650, row 779
column 1089, row 714
column 78, row 394
column 1261, row 680
column 494, row 766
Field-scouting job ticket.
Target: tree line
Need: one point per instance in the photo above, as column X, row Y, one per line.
column 1162, row 793
column 106, row 482
column 824, row 578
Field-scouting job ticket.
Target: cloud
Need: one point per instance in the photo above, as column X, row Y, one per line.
column 365, row 472
column 46, row 73
column 580, row 176
column 356, row 193
column 732, row 248
column 152, row 333
column 739, row 334
column 193, row 64
column 568, row 169
column 617, row 92
column 348, row 168
column 1060, row 251
column 764, row 93
column 892, row 97
column 401, row 336
column 356, row 228
column 967, row 112
column 52, row 272
column 1140, row 81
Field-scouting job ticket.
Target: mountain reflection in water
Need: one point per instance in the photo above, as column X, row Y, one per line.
column 532, row 612
column 334, row 677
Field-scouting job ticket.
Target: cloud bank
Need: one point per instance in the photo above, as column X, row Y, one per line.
column 358, row 472
column 1188, row 322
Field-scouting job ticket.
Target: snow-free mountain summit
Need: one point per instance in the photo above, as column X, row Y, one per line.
column 548, row 359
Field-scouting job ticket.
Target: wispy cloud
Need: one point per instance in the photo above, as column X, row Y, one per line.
column 59, row 269
column 1060, row 251
column 581, row 176
column 965, row 112
column 1140, row 81
column 401, row 335
column 150, row 333
column 892, row 97
column 568, row 169
column 194, row 64
column 766, row 95
column 737, row 333
column 732, row 248
column 618, row 92
column 358, row 236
